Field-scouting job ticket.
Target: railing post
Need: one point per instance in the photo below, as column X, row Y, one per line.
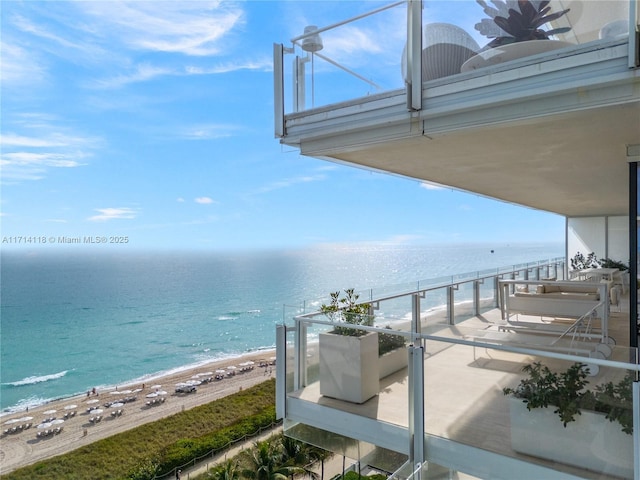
column 300, row 373
column 416, row 404
column 450, row 305
column 415, row 314
column 278, row 89
column 476, row 297
column 635, row 392
column 281, row 372
column 414, row 55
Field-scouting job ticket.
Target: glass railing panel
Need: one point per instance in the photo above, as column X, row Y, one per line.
column 357, row 456
column 510, row 37
column 290, row 361
column 311, row 357
column 466, row 402
column 351, row 56
column 434, row 309
column 358, row 49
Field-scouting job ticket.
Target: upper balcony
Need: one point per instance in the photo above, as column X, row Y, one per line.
column 413, row 88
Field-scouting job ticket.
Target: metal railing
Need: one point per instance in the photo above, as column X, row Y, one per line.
column 396, row 47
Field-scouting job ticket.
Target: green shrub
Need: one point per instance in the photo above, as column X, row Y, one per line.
column 140, row 452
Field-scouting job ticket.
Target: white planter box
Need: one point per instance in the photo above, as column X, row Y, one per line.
column 590, row 442
column 393, row 361
column 349, row 368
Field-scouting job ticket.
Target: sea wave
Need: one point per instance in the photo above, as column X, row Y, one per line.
column 36, row 379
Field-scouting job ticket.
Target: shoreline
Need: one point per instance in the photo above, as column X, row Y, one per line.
column 145, row 378
column 25, row 446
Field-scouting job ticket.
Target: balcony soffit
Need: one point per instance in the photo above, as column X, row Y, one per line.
column 572, row 163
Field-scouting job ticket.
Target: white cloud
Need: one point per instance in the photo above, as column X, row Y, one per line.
column 113, row 214
column 289, row 182
column 180, row 200
column 204, row 200
column 141, row 73
column 209, row 131
column 264, row 64
column 190, row 28
column 39, row 146
column 431, row 186
column 19, row 65
column 38, row 159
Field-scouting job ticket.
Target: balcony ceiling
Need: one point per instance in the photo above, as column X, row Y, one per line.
column 573, row 164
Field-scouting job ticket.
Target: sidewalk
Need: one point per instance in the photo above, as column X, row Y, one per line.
column 205, row 465
column 332, row 466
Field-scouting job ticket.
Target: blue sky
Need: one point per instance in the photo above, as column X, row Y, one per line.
column 154, row 121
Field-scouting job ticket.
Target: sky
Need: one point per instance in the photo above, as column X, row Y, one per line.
column 150, row 125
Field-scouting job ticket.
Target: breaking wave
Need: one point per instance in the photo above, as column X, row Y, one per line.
column 34, row 379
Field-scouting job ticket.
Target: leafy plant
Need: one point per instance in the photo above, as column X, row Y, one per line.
column 388, row 342
column 347, row 310
column 580, row 262
column 615, row 400
column 512, row 21
column 566, row 391
column 609, row 263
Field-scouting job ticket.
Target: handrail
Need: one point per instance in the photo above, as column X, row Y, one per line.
column 318, row 31
column 465, row 278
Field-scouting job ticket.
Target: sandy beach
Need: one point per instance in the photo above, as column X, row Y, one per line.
column 26, row 447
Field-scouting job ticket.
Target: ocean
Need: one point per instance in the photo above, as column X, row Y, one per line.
column 71, row 322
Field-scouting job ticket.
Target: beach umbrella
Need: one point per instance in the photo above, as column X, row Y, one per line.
column 25, row 419
column 50, row 412
column 117, row 405
column 161, row 392
column 197, row 375
column 156, row 386
column 136, row 390
column 95, row 400
column 44, row 425
column 13, row 420
column 231, row 367
column 152, row 395
column 194, row 382
column 57, row 421
column 116, row 392
column 71, row 407
column 97, row 410
column 206, row 373
column 221, row 371
column 126, row 392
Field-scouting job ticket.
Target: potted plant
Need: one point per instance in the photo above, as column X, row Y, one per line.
column 392, row 353
column 514, row 27
column 554, row 416
column 349, row 368
column 518, row 21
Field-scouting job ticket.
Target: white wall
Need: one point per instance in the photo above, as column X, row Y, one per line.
column 607, row 237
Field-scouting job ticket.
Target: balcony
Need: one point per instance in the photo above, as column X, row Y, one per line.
column 446, row 411
column 376, row 91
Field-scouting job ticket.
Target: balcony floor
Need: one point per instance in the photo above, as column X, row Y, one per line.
column 463, row 390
